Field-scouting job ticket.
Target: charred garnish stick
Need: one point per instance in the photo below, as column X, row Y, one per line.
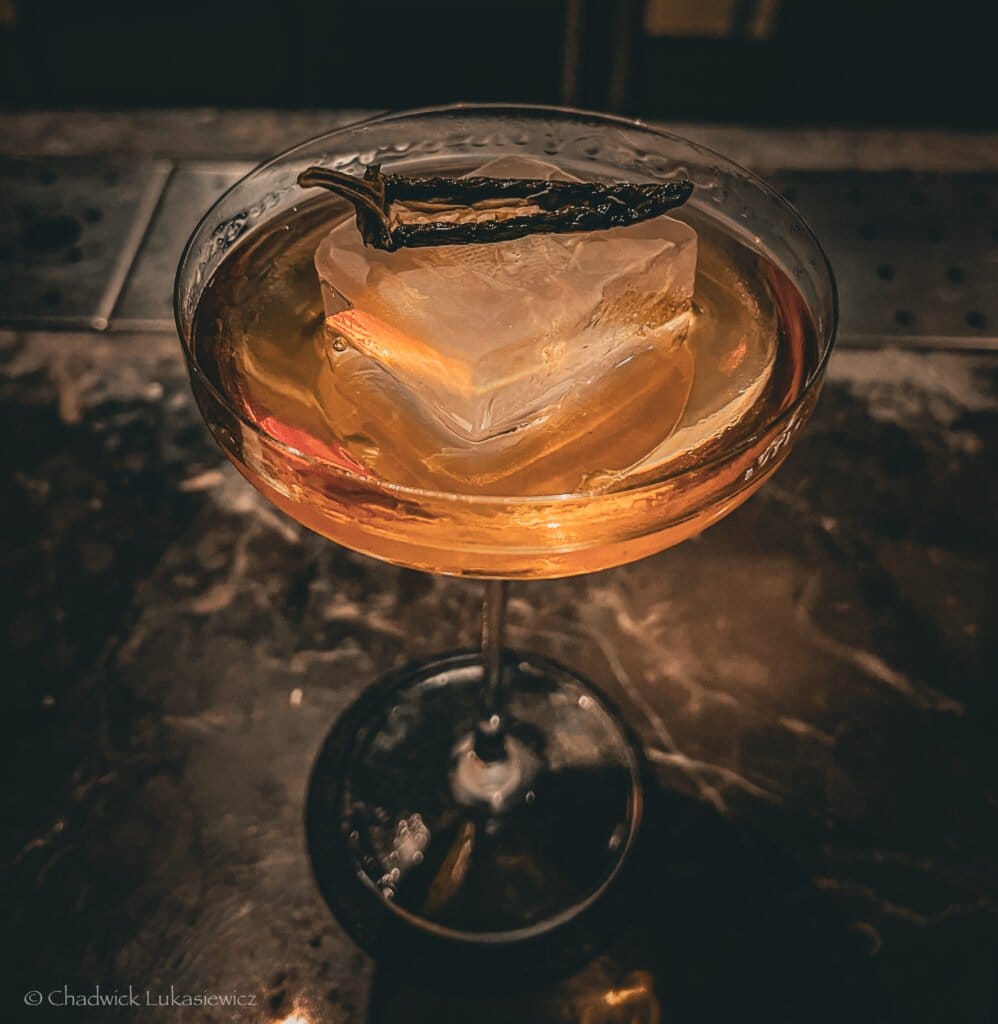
column 394, row 211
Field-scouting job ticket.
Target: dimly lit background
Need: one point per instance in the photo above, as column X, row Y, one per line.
column 906, row 62
column 813, row 679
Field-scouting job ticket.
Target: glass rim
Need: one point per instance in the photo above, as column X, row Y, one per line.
column 645, row 484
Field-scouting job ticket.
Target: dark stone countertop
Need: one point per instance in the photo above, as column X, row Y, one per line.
column 814, row 680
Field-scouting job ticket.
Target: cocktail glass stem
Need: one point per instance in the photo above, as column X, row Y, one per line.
column 490, row 733
column 491, row 767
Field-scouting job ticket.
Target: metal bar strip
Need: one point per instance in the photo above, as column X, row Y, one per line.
column 917, row 342
column 146, row 210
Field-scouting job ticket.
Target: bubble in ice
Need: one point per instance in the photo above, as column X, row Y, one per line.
column 489, row 336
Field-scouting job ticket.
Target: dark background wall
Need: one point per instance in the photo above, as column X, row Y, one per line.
column 909, row 62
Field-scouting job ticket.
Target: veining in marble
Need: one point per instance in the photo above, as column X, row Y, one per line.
column 813, row 680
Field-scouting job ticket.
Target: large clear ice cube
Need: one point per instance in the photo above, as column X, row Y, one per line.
column 491, row 336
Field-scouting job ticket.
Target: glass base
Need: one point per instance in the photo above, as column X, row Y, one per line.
column 424, row 851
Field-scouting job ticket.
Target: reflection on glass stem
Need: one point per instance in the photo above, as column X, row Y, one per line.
column 490, row 743
column 490, row 766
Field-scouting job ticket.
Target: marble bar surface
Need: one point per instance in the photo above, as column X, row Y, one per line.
column 814, row 681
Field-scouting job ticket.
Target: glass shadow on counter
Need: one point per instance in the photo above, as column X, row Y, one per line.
column 722, row 927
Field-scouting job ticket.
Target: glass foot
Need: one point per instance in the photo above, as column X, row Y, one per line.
column 422, row 848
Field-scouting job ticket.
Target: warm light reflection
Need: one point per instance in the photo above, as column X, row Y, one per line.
column 633, row 1001
column 296, row 1018
column 616, row 996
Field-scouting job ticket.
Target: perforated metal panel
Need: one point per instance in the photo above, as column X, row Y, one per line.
column 915, row 256
column 69, row 231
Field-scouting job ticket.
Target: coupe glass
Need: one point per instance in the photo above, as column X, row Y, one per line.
column 491, row 801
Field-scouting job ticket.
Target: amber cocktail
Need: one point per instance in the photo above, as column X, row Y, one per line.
column 530, row 407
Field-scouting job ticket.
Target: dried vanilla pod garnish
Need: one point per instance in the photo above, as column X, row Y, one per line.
column 394, row 211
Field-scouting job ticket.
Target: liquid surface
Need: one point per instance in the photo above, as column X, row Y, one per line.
column 261, row 335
